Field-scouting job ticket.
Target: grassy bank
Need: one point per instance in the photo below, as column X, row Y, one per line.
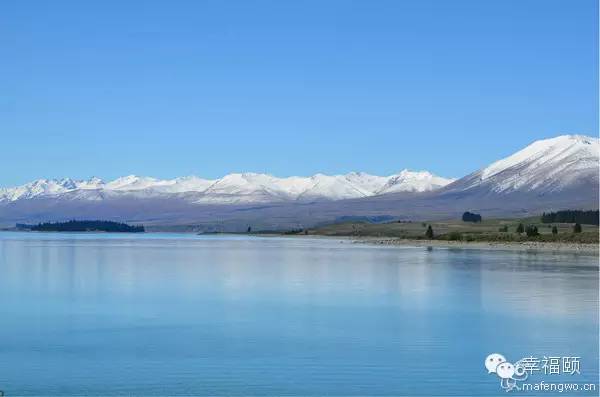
column 492, row 230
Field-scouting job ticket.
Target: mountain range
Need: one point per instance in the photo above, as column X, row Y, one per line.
column 232, row 188
column 549, row 174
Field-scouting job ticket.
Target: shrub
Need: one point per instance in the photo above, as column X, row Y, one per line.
column 454, row 236
column 577, row 228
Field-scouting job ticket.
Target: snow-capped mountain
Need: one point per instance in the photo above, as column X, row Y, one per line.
column 418, row 181
column 551, row 174
column 232, row 188
column 546, row 166
column 41, row 187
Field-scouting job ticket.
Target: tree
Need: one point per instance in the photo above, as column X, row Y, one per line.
column 554, row 230
column 520, row 228
column 531, row 231
column 249, row 229
column 429, row 232
column 471, row 217
column 577, row 228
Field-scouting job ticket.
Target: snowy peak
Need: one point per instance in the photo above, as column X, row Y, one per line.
column 337, row 187
column 133, row 182
column 410, row 181
column 41, row 187
column 92, row 183
column 548, row 151
column 547, row 165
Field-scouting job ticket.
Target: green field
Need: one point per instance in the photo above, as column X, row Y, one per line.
column 457, row 230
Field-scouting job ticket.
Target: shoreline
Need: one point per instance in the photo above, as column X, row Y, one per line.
column 531, row 246
column 587, row 249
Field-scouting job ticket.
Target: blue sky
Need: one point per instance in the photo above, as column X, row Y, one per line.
column 165, row 89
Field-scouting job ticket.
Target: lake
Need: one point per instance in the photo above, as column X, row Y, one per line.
column 176, row 314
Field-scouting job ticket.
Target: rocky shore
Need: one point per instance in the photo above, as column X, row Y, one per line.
column 587, row 249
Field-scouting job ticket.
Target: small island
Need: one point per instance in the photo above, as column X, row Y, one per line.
column 85, row 226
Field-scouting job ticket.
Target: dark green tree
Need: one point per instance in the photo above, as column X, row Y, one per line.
column 531, row 231
column 520, row 228
column 471, row 217
column 429, row 232
column 577, row 228
column 554, row 230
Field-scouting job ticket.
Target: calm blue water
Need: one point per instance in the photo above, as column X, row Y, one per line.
column 156, row 314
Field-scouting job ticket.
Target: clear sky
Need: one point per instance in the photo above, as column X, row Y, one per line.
column 173, row 88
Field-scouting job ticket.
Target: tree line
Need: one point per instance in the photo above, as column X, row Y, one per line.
column 87, row 226
column 571, row 216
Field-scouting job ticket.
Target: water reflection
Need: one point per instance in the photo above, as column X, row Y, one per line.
column 279, row 316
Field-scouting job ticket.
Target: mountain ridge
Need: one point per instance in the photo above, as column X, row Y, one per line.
column 236, row 187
